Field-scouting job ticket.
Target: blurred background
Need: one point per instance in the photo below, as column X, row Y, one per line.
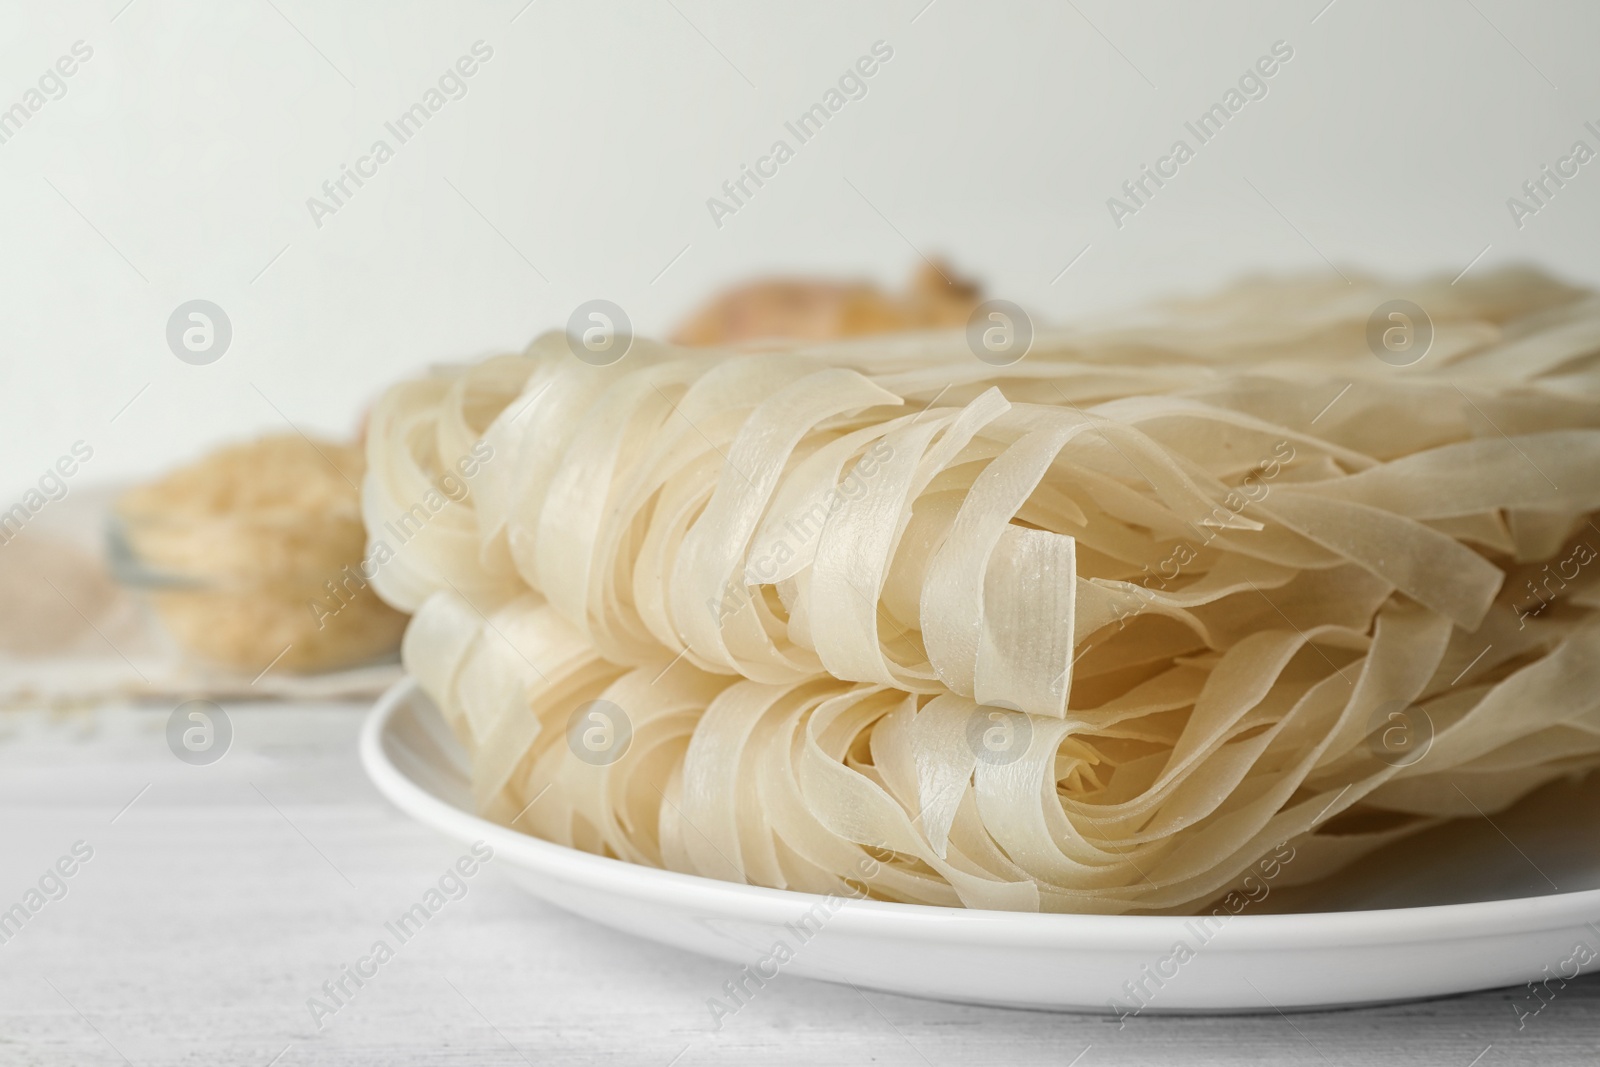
column 178, row 160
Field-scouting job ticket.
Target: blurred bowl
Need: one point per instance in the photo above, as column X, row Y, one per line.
column 250, row 592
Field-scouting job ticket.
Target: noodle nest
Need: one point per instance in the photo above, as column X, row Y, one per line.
column 1093, row 632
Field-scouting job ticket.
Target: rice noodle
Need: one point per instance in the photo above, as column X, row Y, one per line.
column 1182, row 567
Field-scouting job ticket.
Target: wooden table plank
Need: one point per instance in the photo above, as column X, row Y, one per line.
column 223, row 898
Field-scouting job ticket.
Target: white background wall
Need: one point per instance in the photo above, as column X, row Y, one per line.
column 178, row 164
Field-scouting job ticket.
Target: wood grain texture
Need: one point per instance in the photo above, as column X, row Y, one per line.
column 225, row 896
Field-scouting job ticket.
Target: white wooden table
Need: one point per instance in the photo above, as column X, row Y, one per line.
column 223, row 896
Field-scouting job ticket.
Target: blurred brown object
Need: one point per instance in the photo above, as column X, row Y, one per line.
column 54, row 592
column 819, row 311
column 238, row 549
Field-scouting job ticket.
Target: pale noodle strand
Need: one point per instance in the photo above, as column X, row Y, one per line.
column 1204, row 555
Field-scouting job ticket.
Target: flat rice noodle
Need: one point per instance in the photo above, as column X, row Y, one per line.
column 1202, row 551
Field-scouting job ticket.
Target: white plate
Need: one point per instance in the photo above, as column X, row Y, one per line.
column 1477, row 923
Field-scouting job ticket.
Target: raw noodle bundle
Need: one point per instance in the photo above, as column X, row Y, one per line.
column 1091, row 632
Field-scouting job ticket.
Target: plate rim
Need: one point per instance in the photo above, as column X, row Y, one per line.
column 990, row 927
